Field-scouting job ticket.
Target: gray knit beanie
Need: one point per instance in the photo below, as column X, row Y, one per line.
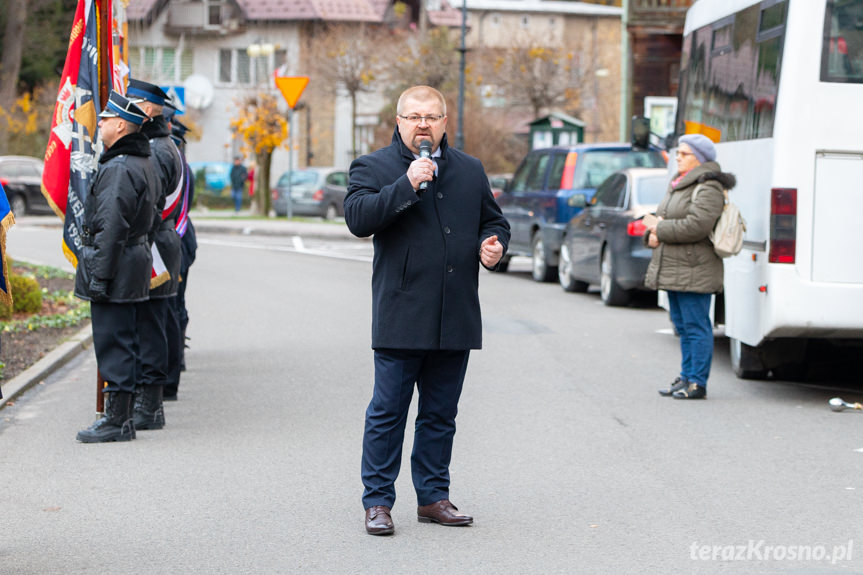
column 701, row 146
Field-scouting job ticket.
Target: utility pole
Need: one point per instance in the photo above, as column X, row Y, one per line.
column 459, row 134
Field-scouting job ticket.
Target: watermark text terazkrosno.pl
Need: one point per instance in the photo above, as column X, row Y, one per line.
column 759, row 550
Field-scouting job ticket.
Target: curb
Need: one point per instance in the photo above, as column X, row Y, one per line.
column 53, row 361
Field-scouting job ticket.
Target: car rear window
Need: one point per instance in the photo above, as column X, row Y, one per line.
column 650, row 190
column 299, row 178
column 842, row 49
column 595, row 166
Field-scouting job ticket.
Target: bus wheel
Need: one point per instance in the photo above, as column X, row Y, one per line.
column 746, row 361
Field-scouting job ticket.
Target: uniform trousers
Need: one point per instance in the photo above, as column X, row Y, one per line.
column 438, row 376
column 174, row 337
column 152, row 323
column 116, row 343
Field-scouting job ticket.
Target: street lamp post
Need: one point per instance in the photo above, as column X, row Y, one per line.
column 459, row 134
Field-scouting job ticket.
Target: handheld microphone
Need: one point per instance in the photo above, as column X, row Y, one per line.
column 425, row 152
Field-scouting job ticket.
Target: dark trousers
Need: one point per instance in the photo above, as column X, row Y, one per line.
column 174, row 337
column 115, row 341
column 439, row 376
column 690, row 313
column 152, row 323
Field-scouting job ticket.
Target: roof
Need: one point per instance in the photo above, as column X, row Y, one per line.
column 342, row 10
column 140, row 9
column 565, row 118
column 282, row 10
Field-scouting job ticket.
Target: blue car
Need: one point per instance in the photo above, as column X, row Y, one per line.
column 550, row 187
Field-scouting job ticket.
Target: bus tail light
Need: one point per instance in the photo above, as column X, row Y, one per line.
column 783, row 226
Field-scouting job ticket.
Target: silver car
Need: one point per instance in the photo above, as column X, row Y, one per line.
column 314, row 192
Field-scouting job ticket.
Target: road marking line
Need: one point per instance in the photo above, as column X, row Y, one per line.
column 274, row 248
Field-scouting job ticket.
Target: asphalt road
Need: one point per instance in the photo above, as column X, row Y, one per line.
column 565, row 454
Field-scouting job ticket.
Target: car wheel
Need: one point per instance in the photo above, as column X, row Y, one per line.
column 332, row 212
column 564, row 272
column 18, row 205
column 610, row 292
column 745, row 360
column 540, row 270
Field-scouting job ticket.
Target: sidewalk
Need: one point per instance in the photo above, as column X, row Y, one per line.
column 226, row 222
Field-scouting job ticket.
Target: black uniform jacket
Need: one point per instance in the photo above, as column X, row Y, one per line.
column 118, row 214
column 169, row 167
column 426, row 262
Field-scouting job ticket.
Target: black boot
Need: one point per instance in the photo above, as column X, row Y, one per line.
column 149, row 413
column 116, row 423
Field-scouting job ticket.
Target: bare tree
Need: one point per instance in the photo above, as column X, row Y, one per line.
column 348, row 57
column 532, row 74
column 10, row 61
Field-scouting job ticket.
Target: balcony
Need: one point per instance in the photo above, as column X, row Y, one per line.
column 197, row 18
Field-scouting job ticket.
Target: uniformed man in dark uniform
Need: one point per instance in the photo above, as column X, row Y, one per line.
column 159, row 328
column 188, row 248
column 114, row 269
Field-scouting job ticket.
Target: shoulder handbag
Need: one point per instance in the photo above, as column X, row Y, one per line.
column 727, row 234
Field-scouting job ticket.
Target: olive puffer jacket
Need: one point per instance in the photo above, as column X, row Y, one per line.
column 685, row 260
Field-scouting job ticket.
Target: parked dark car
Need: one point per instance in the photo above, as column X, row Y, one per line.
column 602, row 245
column 499, row 183
column 314, row 192
column 550, row 187
column 21, row 177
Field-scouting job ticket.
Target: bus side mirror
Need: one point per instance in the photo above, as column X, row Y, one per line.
column 640, row 132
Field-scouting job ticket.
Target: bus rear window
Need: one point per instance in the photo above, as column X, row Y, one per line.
column 842, row 50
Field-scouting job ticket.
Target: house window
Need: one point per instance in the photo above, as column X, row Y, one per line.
column 160, row 65
column 214, row 13
column 244, row 71
column 525, row 22
column 225, row 66
column 236, row 67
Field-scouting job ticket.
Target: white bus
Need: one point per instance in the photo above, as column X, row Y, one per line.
column 778, row 84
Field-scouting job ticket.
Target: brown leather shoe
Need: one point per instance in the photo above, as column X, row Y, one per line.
column 442, row 512
column 379, row 521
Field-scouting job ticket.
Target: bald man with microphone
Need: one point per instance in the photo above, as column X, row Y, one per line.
column 434, row 221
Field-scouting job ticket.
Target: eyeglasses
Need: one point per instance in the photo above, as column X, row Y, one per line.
column 679, row 153
column 416, row 119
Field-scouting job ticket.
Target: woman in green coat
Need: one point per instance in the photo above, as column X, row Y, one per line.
column 684, row 263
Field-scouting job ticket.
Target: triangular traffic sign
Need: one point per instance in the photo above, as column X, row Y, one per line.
column 291, row 88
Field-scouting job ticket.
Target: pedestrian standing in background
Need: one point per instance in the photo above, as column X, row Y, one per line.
column 434, row 220
column 683, row 261
column 159, row 326
column 114, row 270
column 239, row 175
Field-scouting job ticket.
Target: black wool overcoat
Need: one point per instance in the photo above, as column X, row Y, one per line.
column 118, row 214
column 169, row 167
column 425, row 273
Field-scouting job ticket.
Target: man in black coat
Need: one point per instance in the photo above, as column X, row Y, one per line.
column 161, row 338
column 434, row 220
column 114, row 270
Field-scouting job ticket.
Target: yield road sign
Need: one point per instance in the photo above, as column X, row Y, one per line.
column 291, row 88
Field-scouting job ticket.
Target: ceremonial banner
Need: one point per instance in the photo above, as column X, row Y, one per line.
column 71, row 158
column 7, row 220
